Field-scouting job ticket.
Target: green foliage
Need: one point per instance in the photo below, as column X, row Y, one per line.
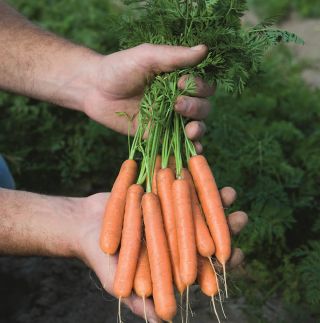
column 266, row 144
column 281, row 8
column 235, row 52
column 309, row 269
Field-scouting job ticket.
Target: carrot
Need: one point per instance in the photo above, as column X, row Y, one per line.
column 158, row 253
column 113, row 217
column 208, row 281
column 130, row 242
column 206, row 277
column 142, row 281
column 185, row 231
column 213, row 209
column 154, row 179
column 204, row 242
column 165, row 179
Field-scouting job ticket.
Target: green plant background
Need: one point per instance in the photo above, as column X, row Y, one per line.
column 265, row 144
column 282, row 8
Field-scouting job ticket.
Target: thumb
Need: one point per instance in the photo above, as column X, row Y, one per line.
column 165, row 58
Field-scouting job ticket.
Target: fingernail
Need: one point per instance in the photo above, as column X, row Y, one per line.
column 198, row 47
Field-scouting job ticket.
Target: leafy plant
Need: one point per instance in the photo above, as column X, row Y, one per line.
column 265, row 144
column 235, row 52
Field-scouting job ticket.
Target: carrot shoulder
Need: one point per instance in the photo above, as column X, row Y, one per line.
column 113, row 217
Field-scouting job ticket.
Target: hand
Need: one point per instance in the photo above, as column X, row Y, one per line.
column 105, row 266
column 119, row 80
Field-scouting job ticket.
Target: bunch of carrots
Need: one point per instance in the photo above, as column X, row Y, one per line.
column 164, row 215
column 166, row 221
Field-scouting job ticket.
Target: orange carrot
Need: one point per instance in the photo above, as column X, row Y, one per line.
column 165, row 179
column 113, row 217
column 208, row 281
column 158, row 253
column 212, row 207
column 142, row 281
column 205, row 244
column 157, row 166
column 185, row 231
column 130, row 242
column 206, row 277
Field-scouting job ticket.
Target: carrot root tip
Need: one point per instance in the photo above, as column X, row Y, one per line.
column 144, row 309
column 119, row 310
column 214, row 308
column 225, row 279
column 187, row 305
column 181, row 308
column 219, row 290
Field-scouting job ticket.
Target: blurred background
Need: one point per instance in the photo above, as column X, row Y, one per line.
column 266, row 144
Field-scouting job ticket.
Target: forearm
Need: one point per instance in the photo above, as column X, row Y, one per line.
column 41, row 65
column 33, row 224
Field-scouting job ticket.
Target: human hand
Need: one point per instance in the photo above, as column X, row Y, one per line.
column 117, row 85
column 105, row 266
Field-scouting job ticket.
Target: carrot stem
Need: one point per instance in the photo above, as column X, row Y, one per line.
column 177, row 144
column 189, row 146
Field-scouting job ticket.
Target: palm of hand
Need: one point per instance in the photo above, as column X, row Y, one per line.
column 105, row 266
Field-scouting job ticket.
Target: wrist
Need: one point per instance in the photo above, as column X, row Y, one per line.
column 38, row 225
column 74, row 78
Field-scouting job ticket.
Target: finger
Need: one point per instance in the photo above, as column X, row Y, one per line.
column 165, row 58
column 236, row 259
column 228, row 196
column 135, row 304
column 202, row 89
column 237, row 221
column 194, row 108
column 195, row 130
column 198, row 147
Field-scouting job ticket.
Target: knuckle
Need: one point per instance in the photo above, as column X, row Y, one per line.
column 192, row 109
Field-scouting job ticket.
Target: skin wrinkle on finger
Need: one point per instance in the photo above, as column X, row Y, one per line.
column 191, row 107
